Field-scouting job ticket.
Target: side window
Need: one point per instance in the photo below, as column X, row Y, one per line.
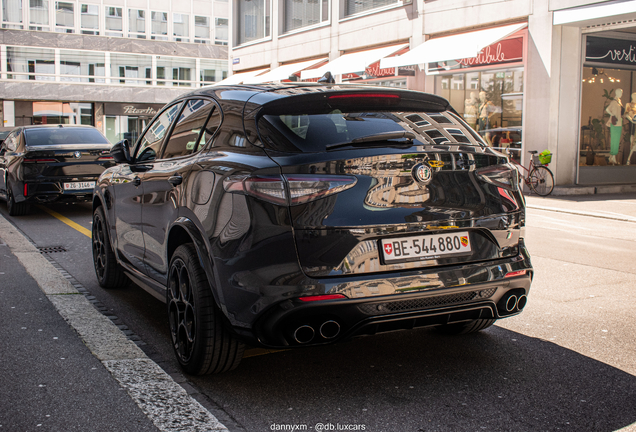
column 186, row 137
column 211, row 126
column 150, row 143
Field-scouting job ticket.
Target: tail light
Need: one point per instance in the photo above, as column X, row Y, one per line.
column 322, row 297
column 293, row 189
column 105, row 158
column 40, row 160
column 516, row 273
column 504, row 176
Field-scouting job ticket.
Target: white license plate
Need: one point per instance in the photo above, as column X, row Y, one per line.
column 431, row 246
column 79, row 185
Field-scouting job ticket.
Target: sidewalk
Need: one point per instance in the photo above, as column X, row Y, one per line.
column 608, row 206
column 51, row 379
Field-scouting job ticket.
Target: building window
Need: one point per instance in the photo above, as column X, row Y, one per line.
column 137, row 23
column 114, row 21
column 253, row 20
column 212, row 71
column 201, row 29
column 62, row 113
column 89, row 19
column 181, row 27
column 12, row 14
column 159, row 25
column 36, row 64
column 172, row 71
column 221, row 31
column 64, row 17
column 302, row 13
column 131, row 69
column 357, row 6
column 82, row 66
column 39, row 15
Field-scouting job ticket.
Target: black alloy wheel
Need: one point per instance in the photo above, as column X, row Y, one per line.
column 200, row 341
column 465, row 328
column 109, row 273
column 15, row 208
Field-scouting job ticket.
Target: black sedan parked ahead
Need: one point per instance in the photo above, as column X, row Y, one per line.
column 304, row 214
column 41, row 164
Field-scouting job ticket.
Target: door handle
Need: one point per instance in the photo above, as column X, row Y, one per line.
column 175, row 180
column 136, row 181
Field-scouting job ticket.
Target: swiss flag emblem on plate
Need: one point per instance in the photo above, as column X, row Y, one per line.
column 388, row 249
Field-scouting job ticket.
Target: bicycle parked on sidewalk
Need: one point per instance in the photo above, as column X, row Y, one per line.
column 537, row 176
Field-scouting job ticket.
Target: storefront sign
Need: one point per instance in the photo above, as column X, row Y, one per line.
column 134, row 110
column 614, row 51
column 502, row 52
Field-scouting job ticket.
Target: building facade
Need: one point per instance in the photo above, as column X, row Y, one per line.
column 111, row 64
column 527, row 74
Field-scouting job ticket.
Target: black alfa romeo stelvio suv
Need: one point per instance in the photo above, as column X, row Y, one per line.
column 291, row 215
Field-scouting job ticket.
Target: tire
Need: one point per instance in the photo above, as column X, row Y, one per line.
column 108, row 271
column 201, row 342
column 541, row 181
column 467, row 327
column 15, row 208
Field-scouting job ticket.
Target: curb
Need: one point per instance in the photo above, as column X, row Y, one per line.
column 161, row 399
column 583, row 213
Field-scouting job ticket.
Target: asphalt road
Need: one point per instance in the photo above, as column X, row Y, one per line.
column 566, row 363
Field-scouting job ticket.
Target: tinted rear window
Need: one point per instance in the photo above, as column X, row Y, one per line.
column 314, row 132
column 60, row 136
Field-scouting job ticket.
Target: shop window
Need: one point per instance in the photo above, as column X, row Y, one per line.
column 159, row 25
column 114, row 21
column 64, row 17
column 89, row 19
column 181, row 27
column 150, row 143
column 608, row 117
column 187, row 137
column 62, row 113
column 137, row 23
column 12, row 14
column 354, row 7
column 491, row 102
column 220, row 31
column 254, row 20
column 202, row 29
column 303, row 13
column 39, row 15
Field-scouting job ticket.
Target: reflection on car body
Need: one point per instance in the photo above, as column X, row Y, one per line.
column 265, row 225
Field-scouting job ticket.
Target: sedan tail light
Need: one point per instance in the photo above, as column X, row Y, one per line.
column 293, row 189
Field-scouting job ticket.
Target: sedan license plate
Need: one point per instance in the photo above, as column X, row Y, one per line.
column 79, row 185
column 425, row 247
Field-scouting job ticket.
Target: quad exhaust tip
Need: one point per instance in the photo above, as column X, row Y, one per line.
column 511, row 303
column 304, row 334
column 329, row 329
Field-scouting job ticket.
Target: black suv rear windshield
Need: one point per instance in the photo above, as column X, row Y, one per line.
column 320, row 132
column 66, row 135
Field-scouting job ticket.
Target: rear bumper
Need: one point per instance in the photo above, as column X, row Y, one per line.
column 297, row 323
column 478, row 291
column 53, row 191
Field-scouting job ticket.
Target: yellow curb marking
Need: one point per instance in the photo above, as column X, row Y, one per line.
column 67, row 221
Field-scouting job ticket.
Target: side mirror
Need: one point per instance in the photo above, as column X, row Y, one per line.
column 121, row 152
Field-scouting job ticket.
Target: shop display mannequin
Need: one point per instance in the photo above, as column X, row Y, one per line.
column 615, row 124
column 471, row 106
column 630, row 114
column 486, row 110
